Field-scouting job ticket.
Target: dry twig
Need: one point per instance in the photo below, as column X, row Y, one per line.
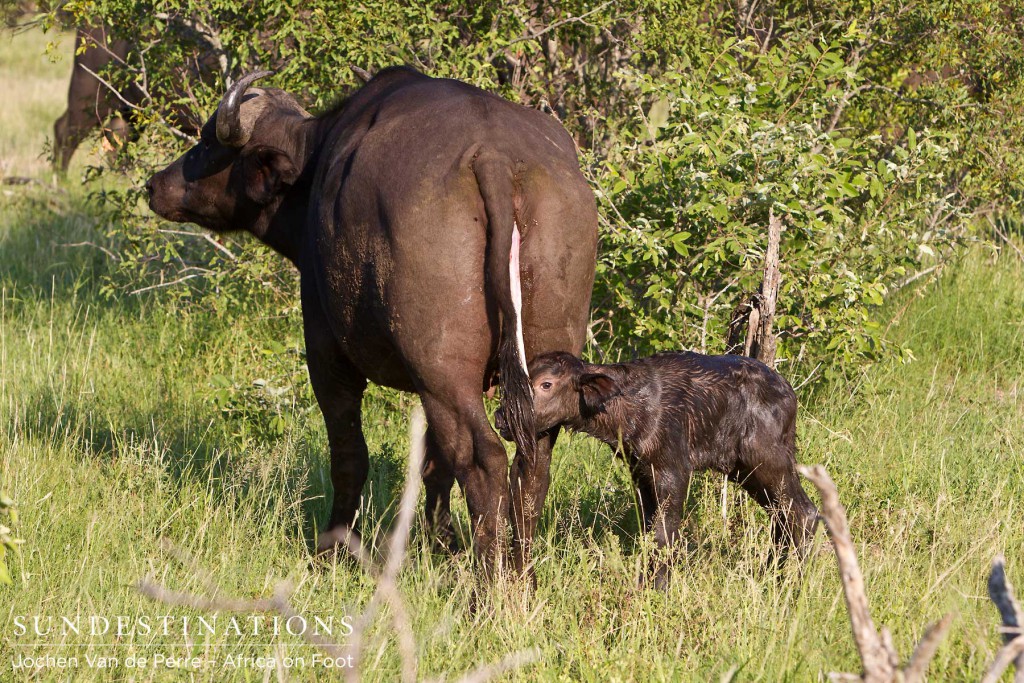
column 877, row 654
column 1001, row 592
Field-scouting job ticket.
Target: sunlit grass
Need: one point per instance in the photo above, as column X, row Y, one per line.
column 34, row 83
column 111, row 439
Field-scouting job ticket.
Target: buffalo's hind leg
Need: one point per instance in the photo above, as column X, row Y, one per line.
column 438, row 479
column 339, row 388
column 464, row 438
column 776, row 488
column 529, row 489
column 67, row 135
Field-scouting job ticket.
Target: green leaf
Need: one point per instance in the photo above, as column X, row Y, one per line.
column 275, row 347
column 657, row 117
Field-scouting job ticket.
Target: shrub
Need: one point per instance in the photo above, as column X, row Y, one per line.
column 878, row 133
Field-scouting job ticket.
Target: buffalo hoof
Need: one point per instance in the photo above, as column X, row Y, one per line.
column 341, row 542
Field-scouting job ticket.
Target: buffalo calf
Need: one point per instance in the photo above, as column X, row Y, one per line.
column 676, row 413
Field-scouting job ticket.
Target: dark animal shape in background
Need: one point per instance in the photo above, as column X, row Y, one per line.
column 90, row 103
column 677, row 413
column 417, row 212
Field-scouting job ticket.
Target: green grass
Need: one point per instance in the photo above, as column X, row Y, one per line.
column 112, row 436
column 38, row 84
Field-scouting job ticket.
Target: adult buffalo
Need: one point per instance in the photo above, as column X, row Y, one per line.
column 444, row 237
column 90, row 103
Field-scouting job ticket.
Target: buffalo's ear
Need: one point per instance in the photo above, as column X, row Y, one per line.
column 596, row 389
column 266, row 170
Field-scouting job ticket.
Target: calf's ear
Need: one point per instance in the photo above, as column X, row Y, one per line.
column 596, row 389
column 266, row 171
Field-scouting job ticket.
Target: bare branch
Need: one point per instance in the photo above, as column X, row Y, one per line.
column 1003, row 236
column 914, row 278
column 567, row 20
column 1007, row 654
column 764, row 337
column 91, row 244
column 386, row 592
column 509, row 662
column 136, row 107
column 877, row 653
column 387, row 586
column 757, row 314
column 161, row 593
column 1001, row 592
column 109, row 87
column 166, row 284
column 209, row 35
column 363, row 75
column 926, row 649
column 188, row 233
column 873, row 655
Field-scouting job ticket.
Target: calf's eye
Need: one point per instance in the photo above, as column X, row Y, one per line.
column 545, row 386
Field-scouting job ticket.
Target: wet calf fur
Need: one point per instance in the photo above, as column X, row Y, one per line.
column 678, row 413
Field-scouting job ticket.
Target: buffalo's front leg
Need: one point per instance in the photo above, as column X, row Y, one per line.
column 463, row 437
column 529, row 488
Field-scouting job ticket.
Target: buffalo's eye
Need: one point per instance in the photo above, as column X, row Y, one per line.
column 546, row 386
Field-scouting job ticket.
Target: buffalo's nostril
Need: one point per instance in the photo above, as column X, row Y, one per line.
column 149, row 187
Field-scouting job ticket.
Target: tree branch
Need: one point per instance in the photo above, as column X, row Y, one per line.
column 552, row 27
column 1001, row 592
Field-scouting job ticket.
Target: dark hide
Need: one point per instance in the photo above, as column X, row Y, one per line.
column 677, row 413
column 398, row 208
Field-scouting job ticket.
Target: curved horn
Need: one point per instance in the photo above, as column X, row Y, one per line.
column 229, row 126
column 363, row 74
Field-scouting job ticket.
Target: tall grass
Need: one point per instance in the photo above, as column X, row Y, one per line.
column 35, row 88
column 112, row 436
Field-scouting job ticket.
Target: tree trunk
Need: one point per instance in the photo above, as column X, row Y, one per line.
column 756, row 316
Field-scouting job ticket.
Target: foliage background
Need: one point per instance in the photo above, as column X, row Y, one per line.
column 881, row 132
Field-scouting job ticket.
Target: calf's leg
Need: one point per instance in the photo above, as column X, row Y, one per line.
column 661, row 494
column 776, row 487
column 643, row 490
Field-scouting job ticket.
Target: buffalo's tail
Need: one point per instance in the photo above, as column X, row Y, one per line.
column 497, row 187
